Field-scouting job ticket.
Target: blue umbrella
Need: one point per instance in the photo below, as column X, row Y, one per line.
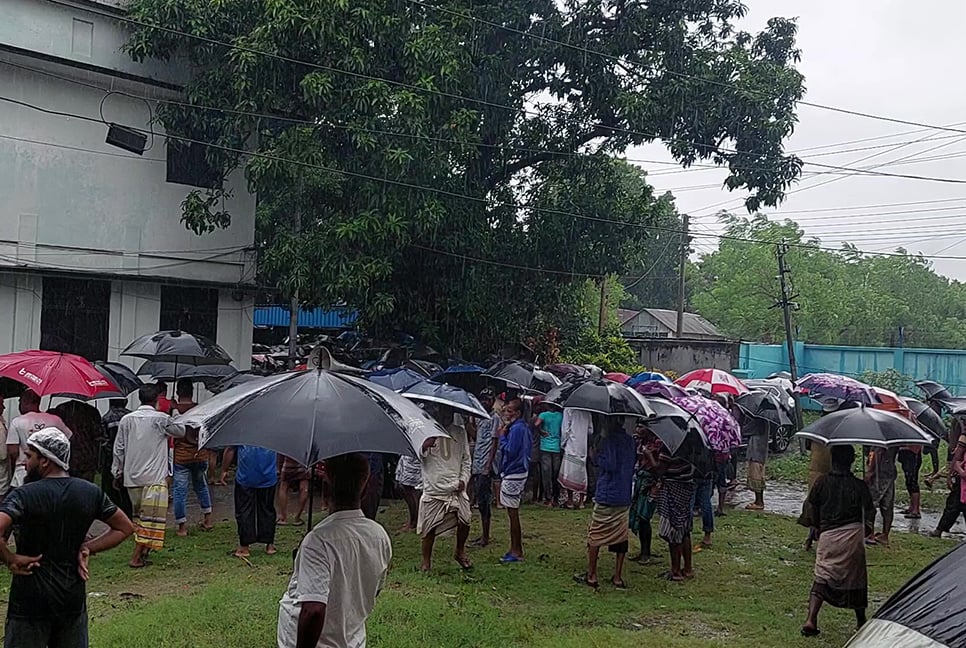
column 646, row 376
column 459, row 399
column 464, row 376
column 396, row 379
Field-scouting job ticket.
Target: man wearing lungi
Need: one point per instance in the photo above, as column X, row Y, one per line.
column 445, row 504
column 840, row 506
column 141, row 465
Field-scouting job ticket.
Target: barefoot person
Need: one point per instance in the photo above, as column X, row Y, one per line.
column 445, row 505
column 615, row 458
column 484, row 465
column 293, row 474
column 757, row 455
column 838, row 506
column 255, row 481
column 141, row 465
column 645, row 491
column 409, row 483
column 339, row 568
column 47, row 603
column 190, row 466
column 575, row 432
column 675, row 506
column 515, row 445
column 881, row 475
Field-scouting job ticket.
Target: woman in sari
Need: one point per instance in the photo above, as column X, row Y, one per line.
column 839, row 505
column 575, row 434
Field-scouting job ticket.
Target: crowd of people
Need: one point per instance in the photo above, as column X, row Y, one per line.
column 525, row 450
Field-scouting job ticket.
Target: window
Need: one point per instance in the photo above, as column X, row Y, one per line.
column 188, row 165
column 75, row 316
column 190, row 309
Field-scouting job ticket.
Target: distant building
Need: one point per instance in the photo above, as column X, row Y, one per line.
column 93, row 252
column 662, row 323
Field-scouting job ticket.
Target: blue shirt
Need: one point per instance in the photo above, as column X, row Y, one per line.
column 256, row 467
column 515, row 446
column 550, row 423
column 615, row 459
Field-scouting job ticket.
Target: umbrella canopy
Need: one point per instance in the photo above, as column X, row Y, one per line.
column 670, row 391
column 311, row 415
column 865, row 426
column 646, row 376
column 932, row 389
column 762, row 405
column 239, row 378
column 177, row 346
column 617, row 376
column 464, row 376
column 672, row 424
column 720, row 427
column 826, row 385
column 891, row 402
column 459, row 399
column 176, row 371
column 515, row 373
column 928, row 419
column 121, row 375
column 926, row 612
column 784, row 375
column 566, row 371
column 49, row 372
column 543, row 381
column 396, row 379
column 713, row 381
column 602, row 397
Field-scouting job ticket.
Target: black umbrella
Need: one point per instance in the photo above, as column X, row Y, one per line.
column 865, row 426
column 681, row 432
column 515, row 373
column 762, row 405
column 177, row 346
column 928, row 418
column 602, row 397
column 396, row 379
column 464, row 376
column 121, row 375
column 926, row 612
column 311, row 415
column 196, row 373
column 459, row 399
column 240, row 378
column 933, row 390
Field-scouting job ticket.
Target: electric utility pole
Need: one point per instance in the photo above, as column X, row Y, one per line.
column 685, row 248
column 787, row 304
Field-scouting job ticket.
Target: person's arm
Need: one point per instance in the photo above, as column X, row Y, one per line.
column 174, row 429
column 120, row 530
column 120, row 447
column 313, row 591
column 466, row 465
column 958, row 467
column 311, row 622
column 225, row 463
column 13, row 452
column 17, row 564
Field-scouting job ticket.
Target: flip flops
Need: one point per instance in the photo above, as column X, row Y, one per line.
column 510, row 558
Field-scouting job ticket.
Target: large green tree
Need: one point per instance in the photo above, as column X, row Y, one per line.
column 405, row 149
column 844, row 297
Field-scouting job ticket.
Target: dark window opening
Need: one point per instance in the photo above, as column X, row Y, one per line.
column 75, row 316
column 188, row 165
column 188, row 309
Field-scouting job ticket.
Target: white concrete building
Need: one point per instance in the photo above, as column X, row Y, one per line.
column 92, row 248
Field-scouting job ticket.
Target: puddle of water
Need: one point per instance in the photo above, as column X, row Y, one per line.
column 786, row 499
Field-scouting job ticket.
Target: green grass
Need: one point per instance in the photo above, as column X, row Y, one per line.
column 751, row 589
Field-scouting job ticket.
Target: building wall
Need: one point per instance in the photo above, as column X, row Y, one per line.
column 681, row 356
column 21, row 297
column 235, row 316
column 643, row 325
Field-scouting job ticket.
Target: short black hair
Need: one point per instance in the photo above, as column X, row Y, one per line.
column 184, row 387
column 346, row 476
column 843, row 456
column 148, row 394
column 30, row 397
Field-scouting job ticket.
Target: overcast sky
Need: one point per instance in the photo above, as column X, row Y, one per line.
column 891, row 58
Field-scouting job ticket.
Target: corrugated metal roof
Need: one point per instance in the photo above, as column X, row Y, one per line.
column 317, row 318
column 693, row 324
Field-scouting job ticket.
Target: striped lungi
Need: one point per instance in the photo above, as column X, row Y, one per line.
column 676, row 510
column 511, row 490
column 150, row 506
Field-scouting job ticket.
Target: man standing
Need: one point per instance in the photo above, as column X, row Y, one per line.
column 548, row 425
column 190, row 465
column 255, row 480
column 484, row 456
column 515, row 444
column 141, row 465
column 757, row 454
column 339, row 568
column 881, row 477
column 445, row 504
column 615, row 458
column 117, row 409
column 31, row 420
column 954, row 505
column 372, row 493
column 47, row 604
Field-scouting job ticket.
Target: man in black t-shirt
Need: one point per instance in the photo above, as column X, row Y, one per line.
column 47, row 604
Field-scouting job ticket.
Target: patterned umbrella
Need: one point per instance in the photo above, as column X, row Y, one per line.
column 826, row 385
column 713, row 381
column 720, row 427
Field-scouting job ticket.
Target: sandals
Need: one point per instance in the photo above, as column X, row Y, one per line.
column 510, row 558
column 619, row 584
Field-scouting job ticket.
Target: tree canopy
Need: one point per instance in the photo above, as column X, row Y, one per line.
column 447, row 167
column 844, row 296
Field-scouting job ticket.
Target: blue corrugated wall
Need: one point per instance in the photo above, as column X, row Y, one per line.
column 317, row 318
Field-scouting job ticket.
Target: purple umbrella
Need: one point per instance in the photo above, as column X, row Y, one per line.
column 720, row 428
column 667, row 390
column 826, row 385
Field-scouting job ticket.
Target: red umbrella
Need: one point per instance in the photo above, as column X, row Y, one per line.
column 49, row 372
column 617, row 377
column 714, row 381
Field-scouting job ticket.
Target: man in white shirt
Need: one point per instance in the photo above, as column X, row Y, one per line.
column 31, row 420
column 339, row 569
column 141, row 466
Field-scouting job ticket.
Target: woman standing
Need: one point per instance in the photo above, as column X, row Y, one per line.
column 675, row 504
column 645, row 491
column 576, row 428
